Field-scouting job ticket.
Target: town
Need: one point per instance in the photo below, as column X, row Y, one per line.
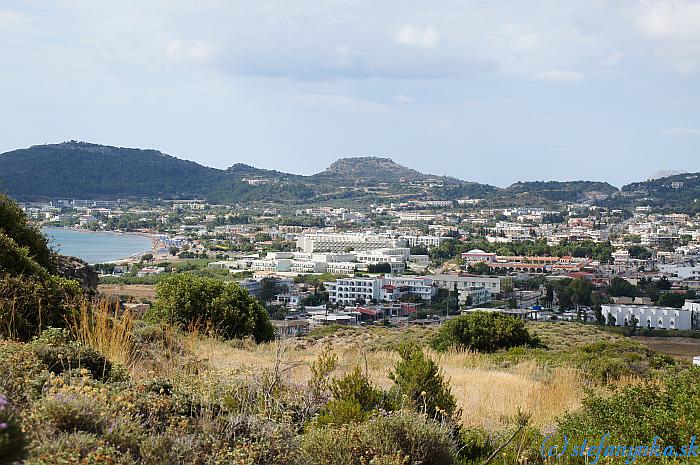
column 415, row 262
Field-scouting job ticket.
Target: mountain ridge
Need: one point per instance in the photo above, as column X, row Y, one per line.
column 84, row 170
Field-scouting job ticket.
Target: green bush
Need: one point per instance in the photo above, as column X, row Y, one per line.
column 29, row 304
column 418, row 381
column 60, row 354
column 13, row 223
column 79, row 449
column 22, row 374
column 607, row 361
column 636, row 414
column 354, row 398
column 68, row 413
column 483, row 332
column 187, row 300
column 396, row 438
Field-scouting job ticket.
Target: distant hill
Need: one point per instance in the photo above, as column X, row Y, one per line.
column 560, row 191
column 82, row 170
column 370, row 169
column 680, row 192
column 90, row 171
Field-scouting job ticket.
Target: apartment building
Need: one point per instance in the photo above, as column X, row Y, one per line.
column 424, row 241
column 477, row 295
column 347, row 291
column 493, row 283
column 650, row 317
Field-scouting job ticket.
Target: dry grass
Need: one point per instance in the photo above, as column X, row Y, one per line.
column 486, row 394
column 107, row 332
column 136, row 291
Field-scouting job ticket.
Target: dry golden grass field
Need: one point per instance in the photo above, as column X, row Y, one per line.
column 487, row 392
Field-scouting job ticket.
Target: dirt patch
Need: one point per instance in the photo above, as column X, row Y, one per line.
column 682, row 348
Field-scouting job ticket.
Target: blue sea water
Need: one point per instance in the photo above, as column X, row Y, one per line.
column 96, row 247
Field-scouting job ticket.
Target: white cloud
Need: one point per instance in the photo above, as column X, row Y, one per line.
column 184, row 51
column 673, row 26
column 561, row 75
column 416, row 35
column 675, row 20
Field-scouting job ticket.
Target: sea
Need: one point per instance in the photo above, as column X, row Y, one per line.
column 97, row 247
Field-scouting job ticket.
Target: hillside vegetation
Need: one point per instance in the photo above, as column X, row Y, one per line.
column 82, row 170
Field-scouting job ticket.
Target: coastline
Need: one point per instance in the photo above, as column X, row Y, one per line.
column 133, row 258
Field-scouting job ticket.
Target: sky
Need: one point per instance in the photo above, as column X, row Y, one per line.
column 486, row 91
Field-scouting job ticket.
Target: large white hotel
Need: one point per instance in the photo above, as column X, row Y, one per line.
column 347, row 291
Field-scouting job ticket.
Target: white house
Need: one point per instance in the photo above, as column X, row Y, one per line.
column 650, row 317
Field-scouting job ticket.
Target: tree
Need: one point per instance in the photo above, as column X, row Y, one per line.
column 418, row 378
column 639, row 252
column 482, row 331
column 147, row 257
column 185, row 300
column 611, row 320
column 634, row 323
column 598, row 312
column 383, row 267
column 479, row 268
column 173, row 250
column 619, row 287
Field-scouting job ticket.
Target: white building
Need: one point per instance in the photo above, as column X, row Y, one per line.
column 343, row 242
column 425, row 241
column 650, row 317
column 347, row 291
column 492, row 283
column 478, row 295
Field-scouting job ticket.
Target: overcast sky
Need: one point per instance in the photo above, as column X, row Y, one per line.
column 489, row 91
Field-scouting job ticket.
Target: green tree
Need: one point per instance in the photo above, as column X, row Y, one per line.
column 419, row 379
column 185, row 300
column 14, row 224
column 482, row 331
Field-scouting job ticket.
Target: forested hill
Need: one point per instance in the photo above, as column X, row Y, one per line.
column 679, row 192
column 82, row 170
column 90, row 171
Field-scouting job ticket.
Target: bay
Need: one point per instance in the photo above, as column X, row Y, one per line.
column 96, row 247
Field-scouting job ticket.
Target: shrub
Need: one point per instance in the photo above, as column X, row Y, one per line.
column 68, row 413
column 13, row 223
column 484, row 332
column 636, row 414
column 12, row 441
column 187, row 300
column 354, row 398
column 418, row 379
column 397, row 438
column 22, row 374
column 607, row 361
column 78, row 449
column 29, row 304
column 60, row 354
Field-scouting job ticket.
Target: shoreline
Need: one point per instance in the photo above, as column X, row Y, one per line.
column 133, row 258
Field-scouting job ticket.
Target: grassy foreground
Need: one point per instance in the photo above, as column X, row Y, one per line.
column 114, row 391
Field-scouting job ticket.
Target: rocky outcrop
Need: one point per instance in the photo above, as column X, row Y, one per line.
column 79, row 270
